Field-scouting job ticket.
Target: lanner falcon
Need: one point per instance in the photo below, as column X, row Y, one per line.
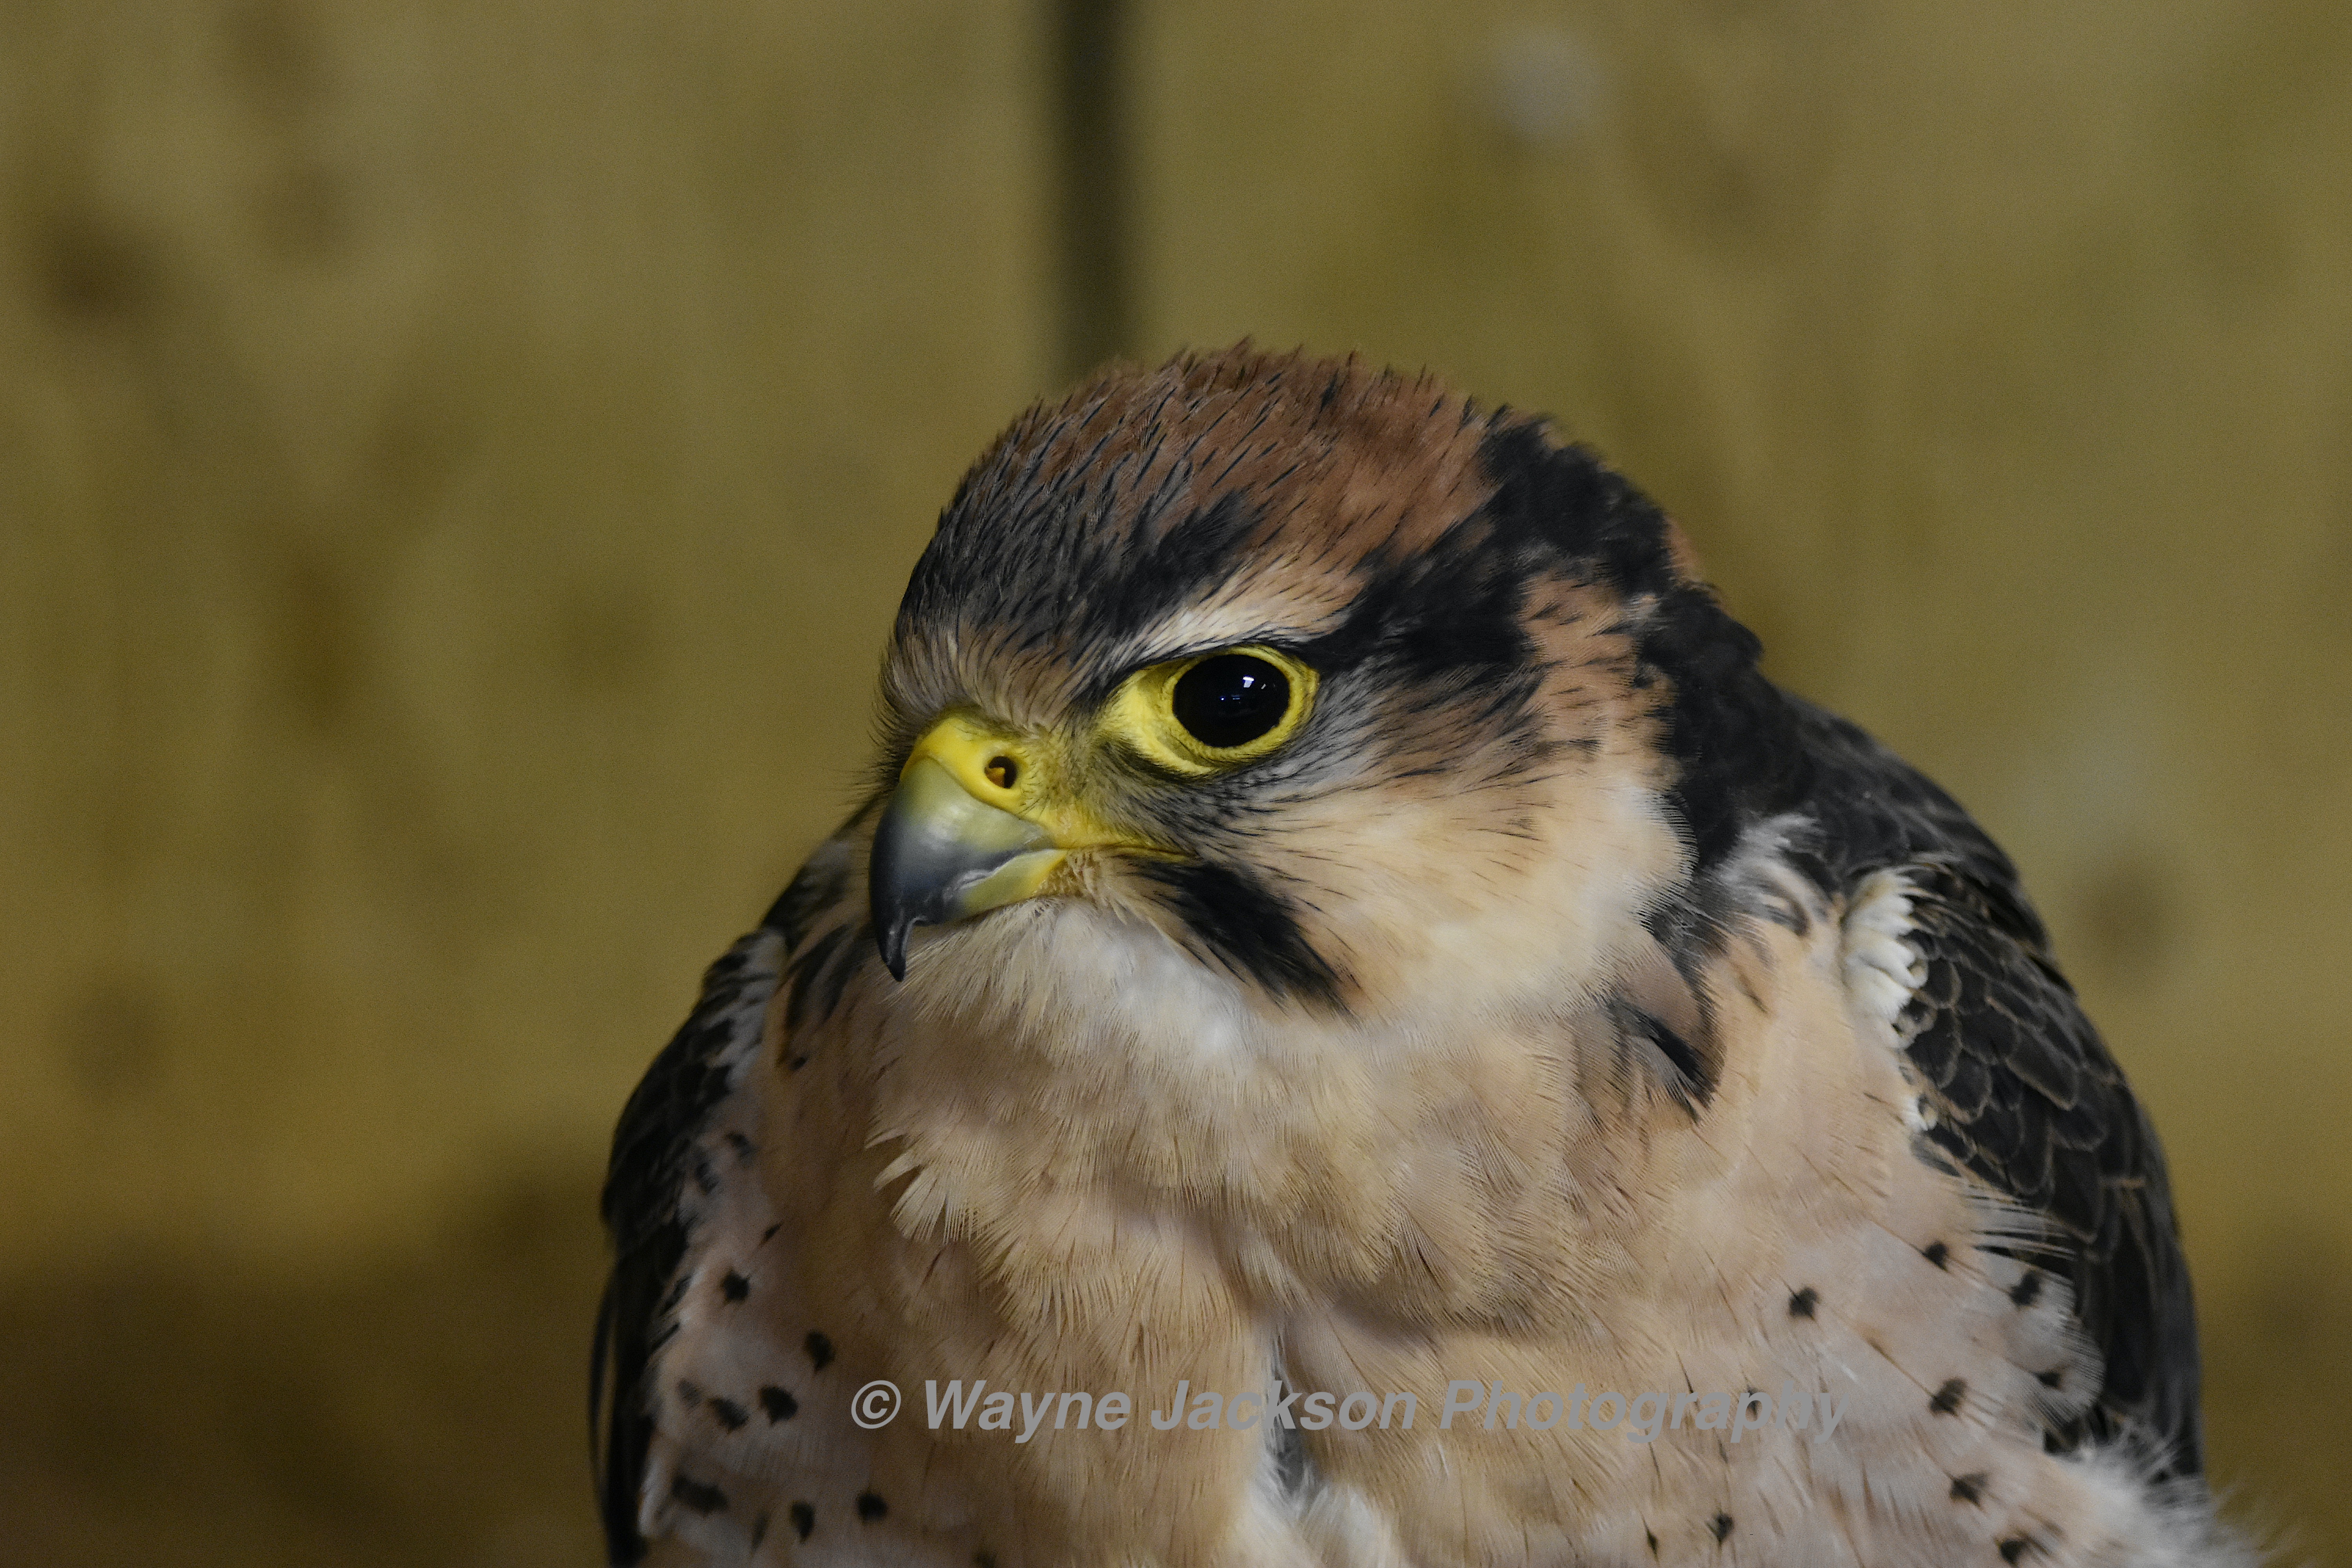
column 1339, row 911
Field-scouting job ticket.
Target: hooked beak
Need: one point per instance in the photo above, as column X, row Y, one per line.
column 946, row 851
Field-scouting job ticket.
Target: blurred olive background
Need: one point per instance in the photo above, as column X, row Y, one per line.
column 458, row 461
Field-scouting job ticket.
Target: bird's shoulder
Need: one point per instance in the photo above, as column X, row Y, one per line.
column 2016, row 1087
column 679, row 1192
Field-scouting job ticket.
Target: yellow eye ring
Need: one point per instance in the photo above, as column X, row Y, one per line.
column 1213, row 711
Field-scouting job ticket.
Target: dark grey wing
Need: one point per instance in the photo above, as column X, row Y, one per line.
column 649, row 1204
column 2026, row 1097
column 657, row 1184
column 2024, row 1092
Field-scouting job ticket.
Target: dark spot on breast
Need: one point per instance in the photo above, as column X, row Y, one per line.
column 1937, row 1253
column 1720, row 1526
column 742, row 1146
column 819, row 1350
column 759, row 1531
column 2017, row 1546
column 983, row 1560
column 699, row 1496
column 733, row 1286
column 1948, row 1398
column 730, row 1415
column 1802, row 1303
column 1968, row 1487
column 803, row 1518
column 1651, row 1537
column 2051, row 1379
column 779, row 1404
column 870, row 1505
column 768, row 1234
column 796, row 1063
column 2026, row 1290
column 689, row 1394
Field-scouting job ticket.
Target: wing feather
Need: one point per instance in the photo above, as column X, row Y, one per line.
column 2027, row 1097
column 658, row 1184
column 2025, row 1094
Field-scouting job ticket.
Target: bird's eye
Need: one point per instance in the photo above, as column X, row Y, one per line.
column 1213, row 711
column 1231, row 699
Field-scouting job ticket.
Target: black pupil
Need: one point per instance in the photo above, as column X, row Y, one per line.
column 1231, row 699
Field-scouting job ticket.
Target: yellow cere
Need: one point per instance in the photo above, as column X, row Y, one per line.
column 991, row 765
column 1024, row 776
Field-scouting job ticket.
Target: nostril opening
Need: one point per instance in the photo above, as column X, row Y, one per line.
column 1002, row 772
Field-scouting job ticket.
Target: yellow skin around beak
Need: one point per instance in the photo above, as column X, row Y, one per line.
column 973, row 825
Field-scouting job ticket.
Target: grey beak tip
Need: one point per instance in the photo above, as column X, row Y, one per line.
column 890, row 929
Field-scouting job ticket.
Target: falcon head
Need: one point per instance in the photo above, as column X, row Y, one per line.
column 1361, row 696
